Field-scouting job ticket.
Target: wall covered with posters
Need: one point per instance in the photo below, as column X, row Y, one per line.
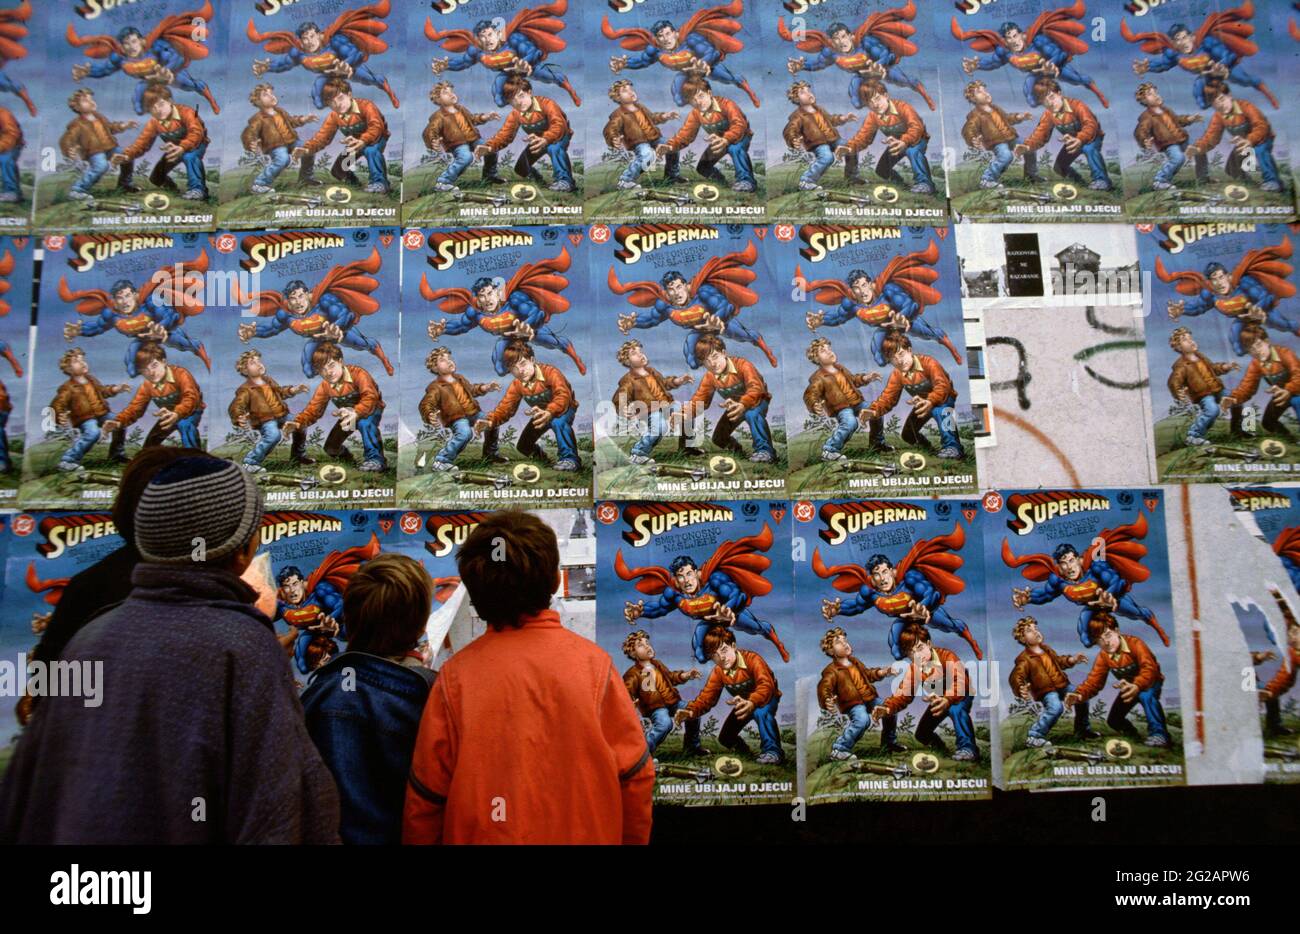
column 859, row 353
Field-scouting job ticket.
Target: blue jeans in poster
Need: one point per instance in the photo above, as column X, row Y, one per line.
column 462, row 157
column 96, row 166
column 1207, row 412
column 279, row 161
column 656, row 428
column 1151, row 708
column 661, row 724
column 376, row 164
column 86, row 440
column 823, row 159
column 270, row 436
column 959, row 713
column 916, row 158
column 561, row 426
column 740, row 161
column 1053, row 706
column 462, row 432
column 1174, row 160
column 846, row 426
column 643, row 156
column 1002, row 158
column 859, row 721
column 759, row 430
column 769, row 734
column 371, row 443
column 1090, row 151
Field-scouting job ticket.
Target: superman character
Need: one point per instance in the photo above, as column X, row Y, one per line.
column 911, row 591
column 519, row 48
column 1045, row 50
column 1214, row 51
column 709, row 304
column 162, row 57
column 520, row 309
column 718, row 593
column 13, row 30
column 874, row 50
column 313, row 605
column 1248, row 295
column 340, row 50
column 329, row 312
column 893, row 300
column 157, row 311
column 1090, row 580
column 699, row 48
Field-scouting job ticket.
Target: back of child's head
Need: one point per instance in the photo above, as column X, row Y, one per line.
column 510, row 564
column 386, row 606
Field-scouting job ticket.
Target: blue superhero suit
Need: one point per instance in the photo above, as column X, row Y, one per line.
column 718, row 589
column 517, row 47
column 891, row 298
column 1210, row 52
column 708, row 299
column 1097, row 577
column 326, row 599
column 1248, row 290
column 1028, row 60
column 161, row 53
column 155, row 310
column 694, row 47
column 913, row 586
column 339, row 49
column 872, row 50
column 518, row 306
column 329, row 310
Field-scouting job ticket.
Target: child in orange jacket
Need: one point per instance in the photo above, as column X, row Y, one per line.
column 529, row 735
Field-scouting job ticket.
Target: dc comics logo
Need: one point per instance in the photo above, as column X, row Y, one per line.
column 607, row 513
column 225, row 243
column 24, row 525
column 992, row 501
column 413, row 240
column 599, row 233
column 803, row 511
column 410, row 522
column 1145, row 228
column 55, row 242
column 784, row 232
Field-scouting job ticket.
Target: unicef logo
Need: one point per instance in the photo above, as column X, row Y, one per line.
column 358, row 519
column 360, row 235
column 1125, row 498
column 749, row 509
column 942, row 508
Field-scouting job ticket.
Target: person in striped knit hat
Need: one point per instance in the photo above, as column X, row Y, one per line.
column 196, row 734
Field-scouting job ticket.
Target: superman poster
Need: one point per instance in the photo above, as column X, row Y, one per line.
column 131, row 104
column 693, row 602
column 896, row 702
column 496, row 406
column 495, row 118
column 313, row 122
column 307, row 398
column 121, row 360
column 1028, row 109
column 1221, row 341
column 1082, row 628
column 854, row 130
column 880, row 390
column 687, row 371
column 1203, row 135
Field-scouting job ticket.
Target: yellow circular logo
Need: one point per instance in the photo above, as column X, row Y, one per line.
column 1065, row 191
column 1118, row 748
column 523, row 192
column 721, row 465
column 706, row 192
column 728, row 766
column 926, row 763
column 526, row 473
column 332, row 474
column 886, row 193
column 338, row 194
